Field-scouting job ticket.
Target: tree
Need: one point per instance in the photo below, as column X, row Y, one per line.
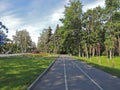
column 2, row 37
column 93, row 36
column 116, row 24
column 23, row 40
column 44, row 40
column 72, row 25
column 112, row 7
column 41, row 42
column 2, row 34
column 56, row 39
column 86, row 34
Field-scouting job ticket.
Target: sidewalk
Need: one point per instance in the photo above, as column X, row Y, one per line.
column 7, row 55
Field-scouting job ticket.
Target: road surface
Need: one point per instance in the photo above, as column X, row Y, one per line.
column 69, row 74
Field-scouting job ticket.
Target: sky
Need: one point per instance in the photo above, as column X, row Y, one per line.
column 36, row 15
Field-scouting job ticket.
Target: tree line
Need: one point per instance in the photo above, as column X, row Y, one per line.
column 92, row 33
column 21, row 43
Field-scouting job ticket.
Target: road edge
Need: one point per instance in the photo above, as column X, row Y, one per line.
column 41, row 75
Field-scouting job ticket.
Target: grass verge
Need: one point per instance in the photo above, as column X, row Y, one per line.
column 103, row 63
column 17, row 73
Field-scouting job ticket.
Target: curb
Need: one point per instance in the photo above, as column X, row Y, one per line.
column 39, row 77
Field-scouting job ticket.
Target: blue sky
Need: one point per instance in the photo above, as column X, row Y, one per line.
column 35, row 15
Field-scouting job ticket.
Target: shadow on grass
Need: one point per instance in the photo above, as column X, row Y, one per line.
column 20, row 81
column 17, row 73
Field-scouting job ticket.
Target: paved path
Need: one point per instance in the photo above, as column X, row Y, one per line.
column 69, row 74
column 8, row 55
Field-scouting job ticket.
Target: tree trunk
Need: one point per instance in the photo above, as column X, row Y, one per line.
column 21, row 48
column 83, row 54
column 79, row 51
column 119, row 46
column 110, row 52
column 90, row 52
column 93, row 52
column 87, row 54
column 86, row 51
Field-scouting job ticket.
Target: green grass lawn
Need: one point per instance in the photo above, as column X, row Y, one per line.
column 110, row 66
column 17, row 73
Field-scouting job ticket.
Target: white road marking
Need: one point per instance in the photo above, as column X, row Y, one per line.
column 65, row 76
column 89, row 77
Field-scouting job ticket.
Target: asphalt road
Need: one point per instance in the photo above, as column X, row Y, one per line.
column 69, row 74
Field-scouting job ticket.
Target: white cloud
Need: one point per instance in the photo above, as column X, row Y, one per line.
column 34, row 25
column 94, row 4
column 12, row 23
column 57, row 14
column 33, row 31
column 40, row 24
column 66, row 1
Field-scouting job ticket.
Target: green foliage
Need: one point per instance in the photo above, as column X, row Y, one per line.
column 72, row 26
column 112, row 4
column 44, row 40
column 89, row 33
column 72, row 15
column 111, row 26
column 23, row 40
column 3, row 38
